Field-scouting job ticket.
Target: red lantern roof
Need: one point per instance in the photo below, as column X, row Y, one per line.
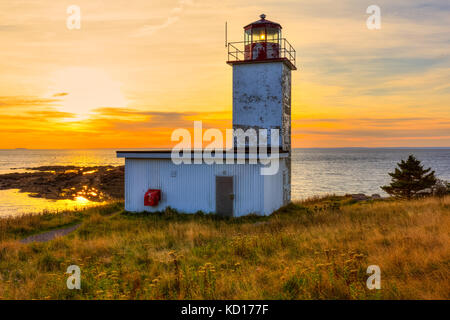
column 262, row 23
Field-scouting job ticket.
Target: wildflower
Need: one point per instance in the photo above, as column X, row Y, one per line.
column 354, row 273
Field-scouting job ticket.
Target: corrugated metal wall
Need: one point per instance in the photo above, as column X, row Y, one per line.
column 273, row 189
column 189, row 188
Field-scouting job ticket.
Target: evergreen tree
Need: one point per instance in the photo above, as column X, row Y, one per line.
column 409, row 178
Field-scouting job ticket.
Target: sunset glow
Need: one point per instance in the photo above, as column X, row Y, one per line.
column 82, row 90
column 133, row 73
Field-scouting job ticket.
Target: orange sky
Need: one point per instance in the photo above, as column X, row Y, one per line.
column 137, row 70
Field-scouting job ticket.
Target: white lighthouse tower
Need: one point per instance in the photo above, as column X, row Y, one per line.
column 262, row 66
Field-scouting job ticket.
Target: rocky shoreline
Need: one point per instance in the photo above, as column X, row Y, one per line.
column 97, row 183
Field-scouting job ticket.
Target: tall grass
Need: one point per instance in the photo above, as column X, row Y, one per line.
column 316, row 249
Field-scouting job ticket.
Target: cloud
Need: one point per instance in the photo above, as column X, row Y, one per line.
column 61, row 94
column 375, row 133
column 29, row 111
column 51, row 114
column 129, row 119
column 6, row 28
column 147, row 30
column 369, row 121
column 360, row 128
column 25, row 101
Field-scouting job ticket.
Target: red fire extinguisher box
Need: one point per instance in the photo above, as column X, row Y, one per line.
column 152, row 197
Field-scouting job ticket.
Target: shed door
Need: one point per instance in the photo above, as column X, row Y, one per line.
column 224, row 196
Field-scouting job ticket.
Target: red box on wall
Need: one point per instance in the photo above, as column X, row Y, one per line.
column 152, row 197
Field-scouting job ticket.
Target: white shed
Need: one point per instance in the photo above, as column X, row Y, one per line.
column 226, row 189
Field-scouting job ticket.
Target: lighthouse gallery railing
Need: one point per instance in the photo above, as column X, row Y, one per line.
column 237, row 51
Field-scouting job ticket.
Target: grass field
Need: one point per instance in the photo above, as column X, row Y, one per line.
column 316, row 249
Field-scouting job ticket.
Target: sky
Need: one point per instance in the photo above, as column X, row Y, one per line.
column 137, row 70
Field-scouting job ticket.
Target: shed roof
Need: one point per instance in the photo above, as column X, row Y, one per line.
column 226, row 153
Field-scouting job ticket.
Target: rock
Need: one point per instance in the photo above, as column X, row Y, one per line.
column 67, row 182
column 359, row 197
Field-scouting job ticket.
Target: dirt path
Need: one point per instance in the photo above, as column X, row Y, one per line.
column 50, row 235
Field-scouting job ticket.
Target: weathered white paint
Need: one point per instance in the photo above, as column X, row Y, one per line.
column 190, row 188
column 261, row 98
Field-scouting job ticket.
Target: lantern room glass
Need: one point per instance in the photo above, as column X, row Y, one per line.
column 262, row 41
column 273, row 35
column 247, row 36
column 258, row 35
column 262, row 34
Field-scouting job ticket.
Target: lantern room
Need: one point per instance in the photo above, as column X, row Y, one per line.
column 262, row 39
column 262, row 43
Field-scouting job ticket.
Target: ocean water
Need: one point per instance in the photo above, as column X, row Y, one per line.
column 314, row 171
column 356, row 170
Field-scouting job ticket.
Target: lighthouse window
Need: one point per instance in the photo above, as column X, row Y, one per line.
column 247, row 37
column 273, row 35
column 259, row 35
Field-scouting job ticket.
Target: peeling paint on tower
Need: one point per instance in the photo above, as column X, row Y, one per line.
column 262, row 100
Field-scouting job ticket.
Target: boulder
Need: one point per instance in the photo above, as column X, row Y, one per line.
column 359, row 197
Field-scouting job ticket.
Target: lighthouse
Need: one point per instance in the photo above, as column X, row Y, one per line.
column 262, row 66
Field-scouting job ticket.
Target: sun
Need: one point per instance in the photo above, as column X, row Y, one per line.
column 82, row 89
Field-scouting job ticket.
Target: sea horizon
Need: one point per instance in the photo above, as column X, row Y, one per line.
column 315, row 171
